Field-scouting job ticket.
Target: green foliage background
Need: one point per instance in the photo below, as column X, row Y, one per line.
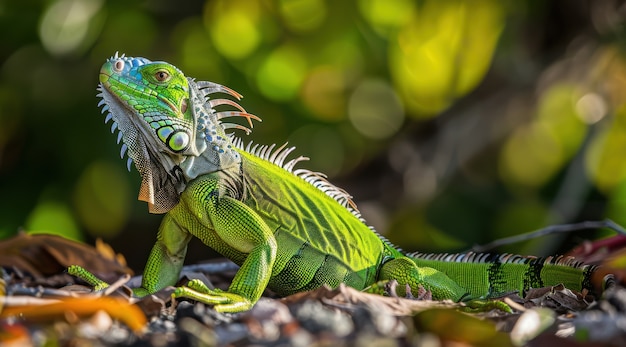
column 451, row 122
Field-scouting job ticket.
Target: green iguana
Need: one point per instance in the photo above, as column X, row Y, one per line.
column 288, row 229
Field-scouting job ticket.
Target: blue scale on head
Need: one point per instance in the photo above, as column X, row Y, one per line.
column 138, row 61
column 135, row 74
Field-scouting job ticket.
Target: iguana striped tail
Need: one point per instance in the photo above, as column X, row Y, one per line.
column 486, row 275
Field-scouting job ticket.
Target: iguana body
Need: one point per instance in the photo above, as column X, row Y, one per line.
column 289, row 230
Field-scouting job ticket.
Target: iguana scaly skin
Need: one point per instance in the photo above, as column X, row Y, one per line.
column 288, row 229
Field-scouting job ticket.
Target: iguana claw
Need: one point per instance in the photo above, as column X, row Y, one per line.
column 222, row 301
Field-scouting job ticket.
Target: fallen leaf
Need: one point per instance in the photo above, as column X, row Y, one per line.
column 119, row 309
column 44, row 255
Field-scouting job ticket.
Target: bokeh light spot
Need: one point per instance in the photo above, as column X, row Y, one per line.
column 375, row 110
column 591, row 108
column 233, row 28
column 281, row 74
column 53, row 217
column 323, row 93
column 101, row 198
column 533, row 154
column 530, row 156
column 604, row 159
column 65, row 25
column 557, row 112
column 385, row 15
column 303, row 15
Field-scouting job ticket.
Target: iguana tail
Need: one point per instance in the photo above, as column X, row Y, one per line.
column 486, row 275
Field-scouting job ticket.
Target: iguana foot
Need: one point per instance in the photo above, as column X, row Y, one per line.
column 85, row 275
column 222, row 301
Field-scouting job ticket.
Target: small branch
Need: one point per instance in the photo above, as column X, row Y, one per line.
column 553, row 229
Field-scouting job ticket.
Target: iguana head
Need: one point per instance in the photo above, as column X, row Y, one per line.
column 166, row 124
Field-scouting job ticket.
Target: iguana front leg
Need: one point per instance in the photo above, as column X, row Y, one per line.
column 226, row 223
column 229, row 225
column 164, row 263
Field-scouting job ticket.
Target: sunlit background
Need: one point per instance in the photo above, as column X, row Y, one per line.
column 451, row 123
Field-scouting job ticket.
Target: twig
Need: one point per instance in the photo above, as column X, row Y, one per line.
column 553, row 229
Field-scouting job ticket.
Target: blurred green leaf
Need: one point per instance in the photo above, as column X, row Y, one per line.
column 444, row 51
column 536, row 152
column 100, row 198
column 71, row 26
column 281, row 73
column 234, row 27
column 605, row 158
column 53, row 217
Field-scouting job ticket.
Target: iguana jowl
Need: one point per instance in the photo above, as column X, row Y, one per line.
column 288, row 229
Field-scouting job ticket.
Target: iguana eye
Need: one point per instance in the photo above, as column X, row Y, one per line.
column 119, row 65
column 162, row 76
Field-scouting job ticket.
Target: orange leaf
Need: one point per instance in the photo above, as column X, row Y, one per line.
column 119, row 309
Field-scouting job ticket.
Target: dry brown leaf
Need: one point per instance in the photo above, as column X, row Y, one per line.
column 344, row 295
column 44, row 255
